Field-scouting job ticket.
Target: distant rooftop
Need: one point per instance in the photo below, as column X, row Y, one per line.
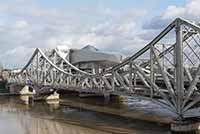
column 90, row 48
column 90, row 54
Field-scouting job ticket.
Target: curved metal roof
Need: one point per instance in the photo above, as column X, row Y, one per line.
column 92, row 54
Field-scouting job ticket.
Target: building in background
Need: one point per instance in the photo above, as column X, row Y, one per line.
column 90, row 59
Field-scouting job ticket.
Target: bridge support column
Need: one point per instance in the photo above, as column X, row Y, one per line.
column 25, row 91
column 107, row 97
column 20, row 90
column 54, row 96
column 185, row 127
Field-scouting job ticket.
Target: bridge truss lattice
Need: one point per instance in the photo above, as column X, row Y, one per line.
column 169, row 76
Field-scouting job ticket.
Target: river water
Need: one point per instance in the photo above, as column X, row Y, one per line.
column 63, row 118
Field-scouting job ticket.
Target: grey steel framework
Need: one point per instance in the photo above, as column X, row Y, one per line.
column 169, row 76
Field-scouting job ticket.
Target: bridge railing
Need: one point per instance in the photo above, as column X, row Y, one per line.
column 170, row 71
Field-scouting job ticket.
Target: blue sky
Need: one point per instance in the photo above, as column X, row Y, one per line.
column 155, row 5
column 124, row 26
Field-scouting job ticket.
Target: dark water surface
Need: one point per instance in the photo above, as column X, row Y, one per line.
column 43, row 118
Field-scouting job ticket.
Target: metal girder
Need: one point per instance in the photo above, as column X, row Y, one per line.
column 50, row 68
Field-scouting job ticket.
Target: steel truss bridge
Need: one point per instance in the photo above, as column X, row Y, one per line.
column 169, row 76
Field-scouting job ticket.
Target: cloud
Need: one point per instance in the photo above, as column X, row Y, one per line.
column 29, row 25
column 173, row 11
column 21, row 24
column 15, row 57
column 156, row 23
column 190, row 10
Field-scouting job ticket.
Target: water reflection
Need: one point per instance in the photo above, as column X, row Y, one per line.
column 44, row 126
column 16, row 118
column 51, row 118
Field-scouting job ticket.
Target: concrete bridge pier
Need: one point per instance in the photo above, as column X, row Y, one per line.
column 50, row 98
column 54, row 96
column 106, row 97
column 189, row 126
column 21, row 90
column 26, row 91
column 53, row 99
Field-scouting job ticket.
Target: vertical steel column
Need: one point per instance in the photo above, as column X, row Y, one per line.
column 152, row 69
column 179, row 67
column 113, row 80
column 69, row 77
column 54, row 70
column 26, row 79
column 37, row 68
column 135, row 78
column 45, row 73
column 130, row 76
column 163, row 55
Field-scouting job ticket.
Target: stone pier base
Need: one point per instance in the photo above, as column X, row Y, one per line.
column 25, row 91
column 54, row 96
column 185, row 127
column 107, row 97
column 20, row 90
